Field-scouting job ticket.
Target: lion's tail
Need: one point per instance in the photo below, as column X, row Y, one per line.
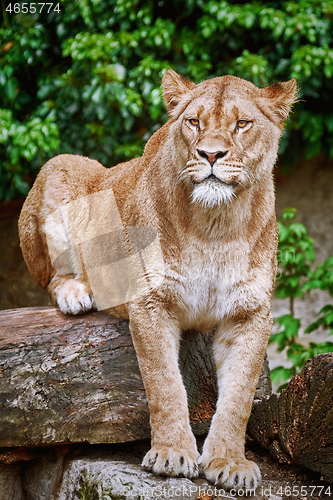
column 33, row 244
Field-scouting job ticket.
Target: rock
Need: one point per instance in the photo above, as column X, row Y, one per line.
column 90, row 479
column 11, row 482
column 42, row 477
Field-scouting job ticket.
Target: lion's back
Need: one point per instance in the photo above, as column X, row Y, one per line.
column 61, row 180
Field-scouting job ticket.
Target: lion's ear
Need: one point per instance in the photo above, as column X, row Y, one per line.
column 174, row 89
column 280, row 96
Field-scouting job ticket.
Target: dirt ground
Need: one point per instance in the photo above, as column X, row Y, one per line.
column 286, row 481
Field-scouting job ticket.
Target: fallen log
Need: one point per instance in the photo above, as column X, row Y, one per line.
column 297, row 424
column 66, row 379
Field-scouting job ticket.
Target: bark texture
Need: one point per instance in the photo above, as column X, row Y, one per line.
column 66, row 379
column 297, row 424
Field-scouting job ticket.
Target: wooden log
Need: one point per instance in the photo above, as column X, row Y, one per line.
column 66, row 379
column 297, row 425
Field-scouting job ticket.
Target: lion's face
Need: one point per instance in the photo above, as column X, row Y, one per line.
column 224, row 139
column 227, row 133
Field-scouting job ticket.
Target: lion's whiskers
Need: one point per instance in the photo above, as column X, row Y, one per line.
column 232, row 164
column 187, row 172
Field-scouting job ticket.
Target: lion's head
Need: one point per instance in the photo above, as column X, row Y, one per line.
column 226, row 132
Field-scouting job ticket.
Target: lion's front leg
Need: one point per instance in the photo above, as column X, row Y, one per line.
column 156, row 341
column 239, row 350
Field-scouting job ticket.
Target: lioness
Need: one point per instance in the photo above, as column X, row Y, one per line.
column 204, row 186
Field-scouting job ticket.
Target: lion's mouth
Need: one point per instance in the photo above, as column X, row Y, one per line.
column 213, row 179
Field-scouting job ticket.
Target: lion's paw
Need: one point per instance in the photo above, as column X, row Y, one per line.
column 232, row 473
column 74, row 298
column 168, row 462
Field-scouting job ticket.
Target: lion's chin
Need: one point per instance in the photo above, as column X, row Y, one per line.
column 212, row 194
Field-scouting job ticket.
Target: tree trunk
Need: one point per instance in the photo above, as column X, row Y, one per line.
column 297, row 425
column 66, row 379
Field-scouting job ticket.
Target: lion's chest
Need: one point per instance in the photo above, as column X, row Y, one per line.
column 207, row 283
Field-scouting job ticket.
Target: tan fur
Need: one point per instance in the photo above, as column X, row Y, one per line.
column 218, row 238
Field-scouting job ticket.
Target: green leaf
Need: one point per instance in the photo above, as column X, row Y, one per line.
column 280, row 374
column 312, row 327
column 328, row 262
column 283, row 232
column 298, row 228
column 326, row 309
column 289, row 213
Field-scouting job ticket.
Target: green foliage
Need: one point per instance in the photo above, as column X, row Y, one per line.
column 295, row 253
column 295, row 256
column 86, row 80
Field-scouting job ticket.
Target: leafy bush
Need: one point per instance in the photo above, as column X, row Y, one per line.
column 295, row 279
column 86, row 80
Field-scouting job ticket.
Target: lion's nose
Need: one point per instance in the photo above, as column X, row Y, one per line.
column 212, row 157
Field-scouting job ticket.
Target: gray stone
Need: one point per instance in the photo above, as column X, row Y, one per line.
column 88, row 479
column 42, row 477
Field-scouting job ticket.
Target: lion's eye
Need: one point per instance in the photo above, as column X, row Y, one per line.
column 242, row 123
column 194, row 122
